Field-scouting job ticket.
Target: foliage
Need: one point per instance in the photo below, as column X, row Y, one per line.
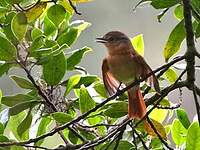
column 38, row 35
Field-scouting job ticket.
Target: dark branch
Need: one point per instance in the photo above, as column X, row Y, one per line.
column 158, row 134
column 196, row 104
column 191, row 50
column 74, row 7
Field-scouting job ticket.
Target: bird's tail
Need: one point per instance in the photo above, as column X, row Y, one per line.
column 136, row 104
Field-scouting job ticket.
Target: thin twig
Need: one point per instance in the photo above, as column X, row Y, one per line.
column 142, row 141
column 74, row 7
column 169, row 107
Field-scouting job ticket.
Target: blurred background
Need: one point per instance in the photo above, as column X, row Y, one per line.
column 108, row 15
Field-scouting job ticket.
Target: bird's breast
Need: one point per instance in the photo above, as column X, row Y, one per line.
column 123, row 67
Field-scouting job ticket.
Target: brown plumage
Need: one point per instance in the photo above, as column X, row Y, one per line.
column 124, row 64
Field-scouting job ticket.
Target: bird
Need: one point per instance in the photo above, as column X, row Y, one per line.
column 123, row 65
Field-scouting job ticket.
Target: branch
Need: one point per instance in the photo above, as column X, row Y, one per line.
column 74, row 7
column 119, row 92
column 196, row 104
column 138, row 135
column 197, row 90
column 158, row 134
column 191, row 50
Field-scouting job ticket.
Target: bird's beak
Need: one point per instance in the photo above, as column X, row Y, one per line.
column 101, row 40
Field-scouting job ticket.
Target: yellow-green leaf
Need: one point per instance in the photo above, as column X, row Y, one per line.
column 159, row 127
column 36, row 11
column 171, row 75
column 178, row 12
column 138, row 44
column 174, row 41
column 159, row 114
column 19, row 25
column 67, row 6
column 178, row 132
column 193, row 137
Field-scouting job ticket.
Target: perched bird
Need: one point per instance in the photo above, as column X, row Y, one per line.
column 124, row 65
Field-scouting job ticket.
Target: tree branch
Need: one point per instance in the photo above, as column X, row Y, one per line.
column 74, row 7
column 196, row 104
column 158, row 134
column 191, row 50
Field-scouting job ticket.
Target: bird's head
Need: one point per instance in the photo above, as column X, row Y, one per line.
column 115, row 40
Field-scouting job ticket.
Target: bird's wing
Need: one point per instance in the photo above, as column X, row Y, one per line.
column 110, row 82
column 146, row 70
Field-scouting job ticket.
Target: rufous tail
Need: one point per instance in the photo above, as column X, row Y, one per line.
column 136, row 104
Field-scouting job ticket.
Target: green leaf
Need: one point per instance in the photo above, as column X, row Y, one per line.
column 156, row 144
column 87, row 135
column 19, row 25
column 87, row 80
column 196, row 5
column 14, row 147
column 193, row 137
column 22, row 82
column 76, row 57
column 9, row 34
column 171, row 75
column 72, row 137
column 178, row 12
column 159, row 114
column 62, row 117
column 35, row 33
column 73, row 80
column 175, row 39
column 160, row 4
column 85, row 100
column 49, row 27
column 55, row 69
column 16, row 99
column 197, row 31
column 71, row 35
column 1, row 128
column 3, row 11
column 36, row 45
column 42, row 128
column 14, row 122
column 178, row 132
column 68, row 37
column 56, row 14
column 116, row 109
column 22, row 106
column 25, row 124
column 138, row 44
column 183, row 117
column 7, row 50
column 4, row 67
column 13, row 1
column 100, row 89
column 3, row 138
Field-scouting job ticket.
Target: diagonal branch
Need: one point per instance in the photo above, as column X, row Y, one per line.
column 158, row 134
